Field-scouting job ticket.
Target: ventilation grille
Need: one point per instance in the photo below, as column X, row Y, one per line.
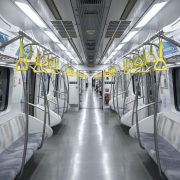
column 90, row 44
column 91, row 1
column 65, row 28
column 90, row 12
column 121, row 26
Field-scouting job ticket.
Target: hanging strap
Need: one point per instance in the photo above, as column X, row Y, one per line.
column 22, row 64
column 38, row 65
column 151, row 58
column 160, row 64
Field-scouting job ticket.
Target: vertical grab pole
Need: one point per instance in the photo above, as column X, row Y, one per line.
column 57, row 100
column 156, row 97
column 65, row 97
column 25, row 87
column 117, row 89
column 126, row 94
column 113, row 86
column 46, row 106
column 136, row 111
column 67, row 90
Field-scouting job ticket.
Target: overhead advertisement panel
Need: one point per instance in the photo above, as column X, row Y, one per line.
column 169, row 48
column 12, row 48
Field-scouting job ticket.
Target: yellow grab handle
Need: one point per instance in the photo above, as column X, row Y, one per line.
column 22, row 64
column 44, row 60
column 57, row 71
column 138, row 62
column 38, row 57
column 38, row 68
column 145, row 60
column 146, row 70
column 151, row 58
column 38, row 63
column 160, row 64
column 30, row 54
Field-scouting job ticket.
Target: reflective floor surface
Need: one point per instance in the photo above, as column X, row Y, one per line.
column 91, row 145
column 90, row 99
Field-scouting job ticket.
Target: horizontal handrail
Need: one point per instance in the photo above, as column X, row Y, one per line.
column 122, row 93
column 36, row 106
column 48, row 100
column 59, row 92
column 147, row 105
column 133, row 100
column 52, row 101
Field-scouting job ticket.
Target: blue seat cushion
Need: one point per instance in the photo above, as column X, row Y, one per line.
column 11, row 158
column 169, row 156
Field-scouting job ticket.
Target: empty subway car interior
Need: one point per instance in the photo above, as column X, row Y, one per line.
column 89, row 90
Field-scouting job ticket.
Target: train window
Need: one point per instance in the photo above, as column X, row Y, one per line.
column 56, row 84
column 150, row 80
column 4, row 87
column 176, row 82
column 46, row 82
column 32, row 83
column 134, row 83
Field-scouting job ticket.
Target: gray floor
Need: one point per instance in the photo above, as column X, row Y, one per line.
column 91, row 145
column 90, row 99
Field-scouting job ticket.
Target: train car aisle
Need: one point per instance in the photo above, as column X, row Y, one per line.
column 91, row 145
column 90, row 99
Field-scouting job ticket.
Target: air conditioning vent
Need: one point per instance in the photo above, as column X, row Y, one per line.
column 65, row 28
column 121, row 26
column 91, row 1
column 91, row 12
column 90, row 57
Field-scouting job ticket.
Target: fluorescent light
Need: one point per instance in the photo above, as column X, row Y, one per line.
column 106, row 61
column 62, row 47
column 114, row 53
column 119, row 47
column 31, row 14
column 129, row 36
column 75, row 61
column 71, row 56
column 173, row 26
column 150, row 14
column 52, row 36
column 110, row 56
column 68, row 53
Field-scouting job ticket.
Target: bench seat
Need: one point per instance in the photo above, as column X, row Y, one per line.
column 168, row 142
column 12, row 135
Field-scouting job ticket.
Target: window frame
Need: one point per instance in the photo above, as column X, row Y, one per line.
column 7, row 89
column 174, row 77
column 134, row 83
column 41, row 86
column 56, row 84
